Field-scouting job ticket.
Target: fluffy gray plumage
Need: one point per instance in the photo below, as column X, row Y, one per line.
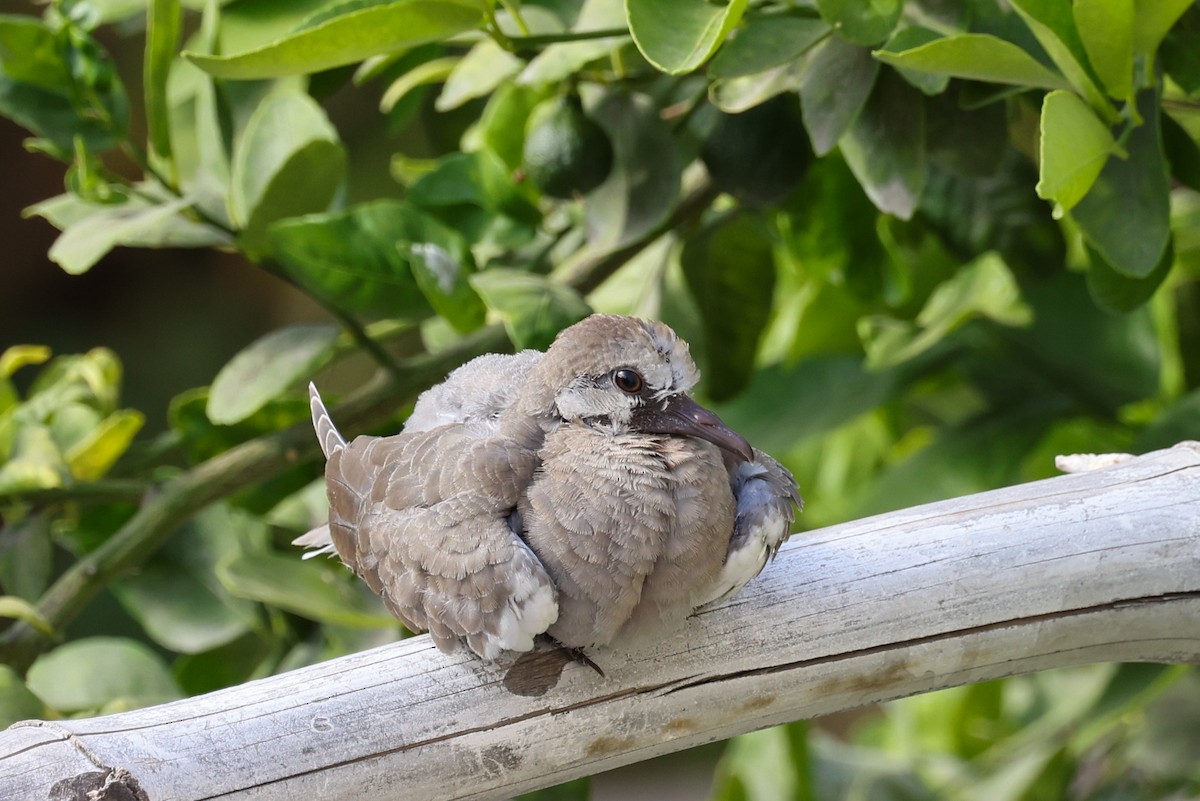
column 578, row 493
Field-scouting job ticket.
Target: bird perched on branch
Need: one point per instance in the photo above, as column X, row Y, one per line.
column 580, row 493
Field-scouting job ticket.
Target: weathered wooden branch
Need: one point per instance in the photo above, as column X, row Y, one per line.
column 1082, row 568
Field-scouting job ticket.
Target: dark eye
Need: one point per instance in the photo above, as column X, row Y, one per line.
column 628, row 380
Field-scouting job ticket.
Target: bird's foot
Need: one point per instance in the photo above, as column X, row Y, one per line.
column 576, row 655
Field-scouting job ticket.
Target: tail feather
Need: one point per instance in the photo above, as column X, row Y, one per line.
column 327, row 433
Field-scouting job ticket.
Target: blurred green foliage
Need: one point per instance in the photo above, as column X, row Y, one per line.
column 918, row 246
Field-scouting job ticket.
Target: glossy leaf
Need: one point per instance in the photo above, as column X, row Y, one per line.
column 765, row 42
column 270, row 366
column 1126, row 215
column 308, row 588
column 1152, row 19
column 1119, row 293
column 164, row 19
column 534, row 308
column 96, row 229
column 730, row 271
column 984, row 287
column 837, row 83
column 1053, row 25
column 444, row 277
column 17, row 703
column 92, row 456
column 643, row 187
column 1107, row 29
column 478, row 74
column 910, row 38
column 677, row 36
column 433, row 71
column 741, row 94
column 351, row 257
column 346, row 38
column 287, row 162
column 101, row 672
column 1075, row 145
column 885, row 147
column 562, row 59
column 176, row 596
column 978, row 57
column 859, row 22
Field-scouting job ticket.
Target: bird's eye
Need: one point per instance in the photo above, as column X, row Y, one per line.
column 628, row 380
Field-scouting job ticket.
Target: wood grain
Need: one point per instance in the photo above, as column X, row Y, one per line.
column 1083, row 568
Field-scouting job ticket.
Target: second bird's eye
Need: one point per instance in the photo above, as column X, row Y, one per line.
column 628, row 380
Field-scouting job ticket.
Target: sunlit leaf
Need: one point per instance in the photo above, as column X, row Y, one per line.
column 859, row 22
column 91, row 457
column 677, row 36
column 979, row 57
column 765, row 42
column 1075, row 144
column 307, row 588
column 346, row 38
column 1126, row 215
column 15, row 608
column 837, row 83
column 267, row 368
column 534, row 308
column 97, row 672
column 288, row 162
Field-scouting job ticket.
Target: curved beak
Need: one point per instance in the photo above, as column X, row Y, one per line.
column 682, row 415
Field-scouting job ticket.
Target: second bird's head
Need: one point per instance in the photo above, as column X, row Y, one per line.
column 630, row 375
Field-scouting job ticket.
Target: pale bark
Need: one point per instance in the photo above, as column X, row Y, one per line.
column 1083, row 568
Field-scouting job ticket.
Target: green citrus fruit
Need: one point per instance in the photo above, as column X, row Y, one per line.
column 566, row 153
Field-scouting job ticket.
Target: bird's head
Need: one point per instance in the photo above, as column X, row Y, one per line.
column 627, row 374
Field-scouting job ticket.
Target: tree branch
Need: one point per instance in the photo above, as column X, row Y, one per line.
column 1077, row 569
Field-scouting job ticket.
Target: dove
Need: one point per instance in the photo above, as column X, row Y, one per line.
column 579, row 494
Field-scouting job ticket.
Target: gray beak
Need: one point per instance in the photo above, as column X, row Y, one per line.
column 682, row 415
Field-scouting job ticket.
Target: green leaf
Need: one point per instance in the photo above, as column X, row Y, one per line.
column 312, row 589
column 1053, row 24
column 435, row 70
column 501, row 127
column 16, row 701
column 479, row 179
column 1152, row 19
column 862, row 23
column 17, row 356
column 350, row 257
column 176, row 596
column 93, row 229
column 730, row 271
column 534, row 308
column 562, row 60
column 910, row 38
column 34, row 463
column 978, row 57
column 349, row 38
column 91, row 457
column 983, row 288
column 765, row 42
column 1126, row 215
column 26, row 556
column 1107, row 30
column 101, row 672
column 1182, row 151
column 837, row 82
column 267, row 368
column 643, row 187
column 885, row 147
column 164, row 19
column 1119, row 293
column 287, row 162
column 29, row 54
column 15, row 608
column 1075, row 145
column 741, row 94
column 444, row 276
column 477, row 74
column 677, row 36
column 1177, row 423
